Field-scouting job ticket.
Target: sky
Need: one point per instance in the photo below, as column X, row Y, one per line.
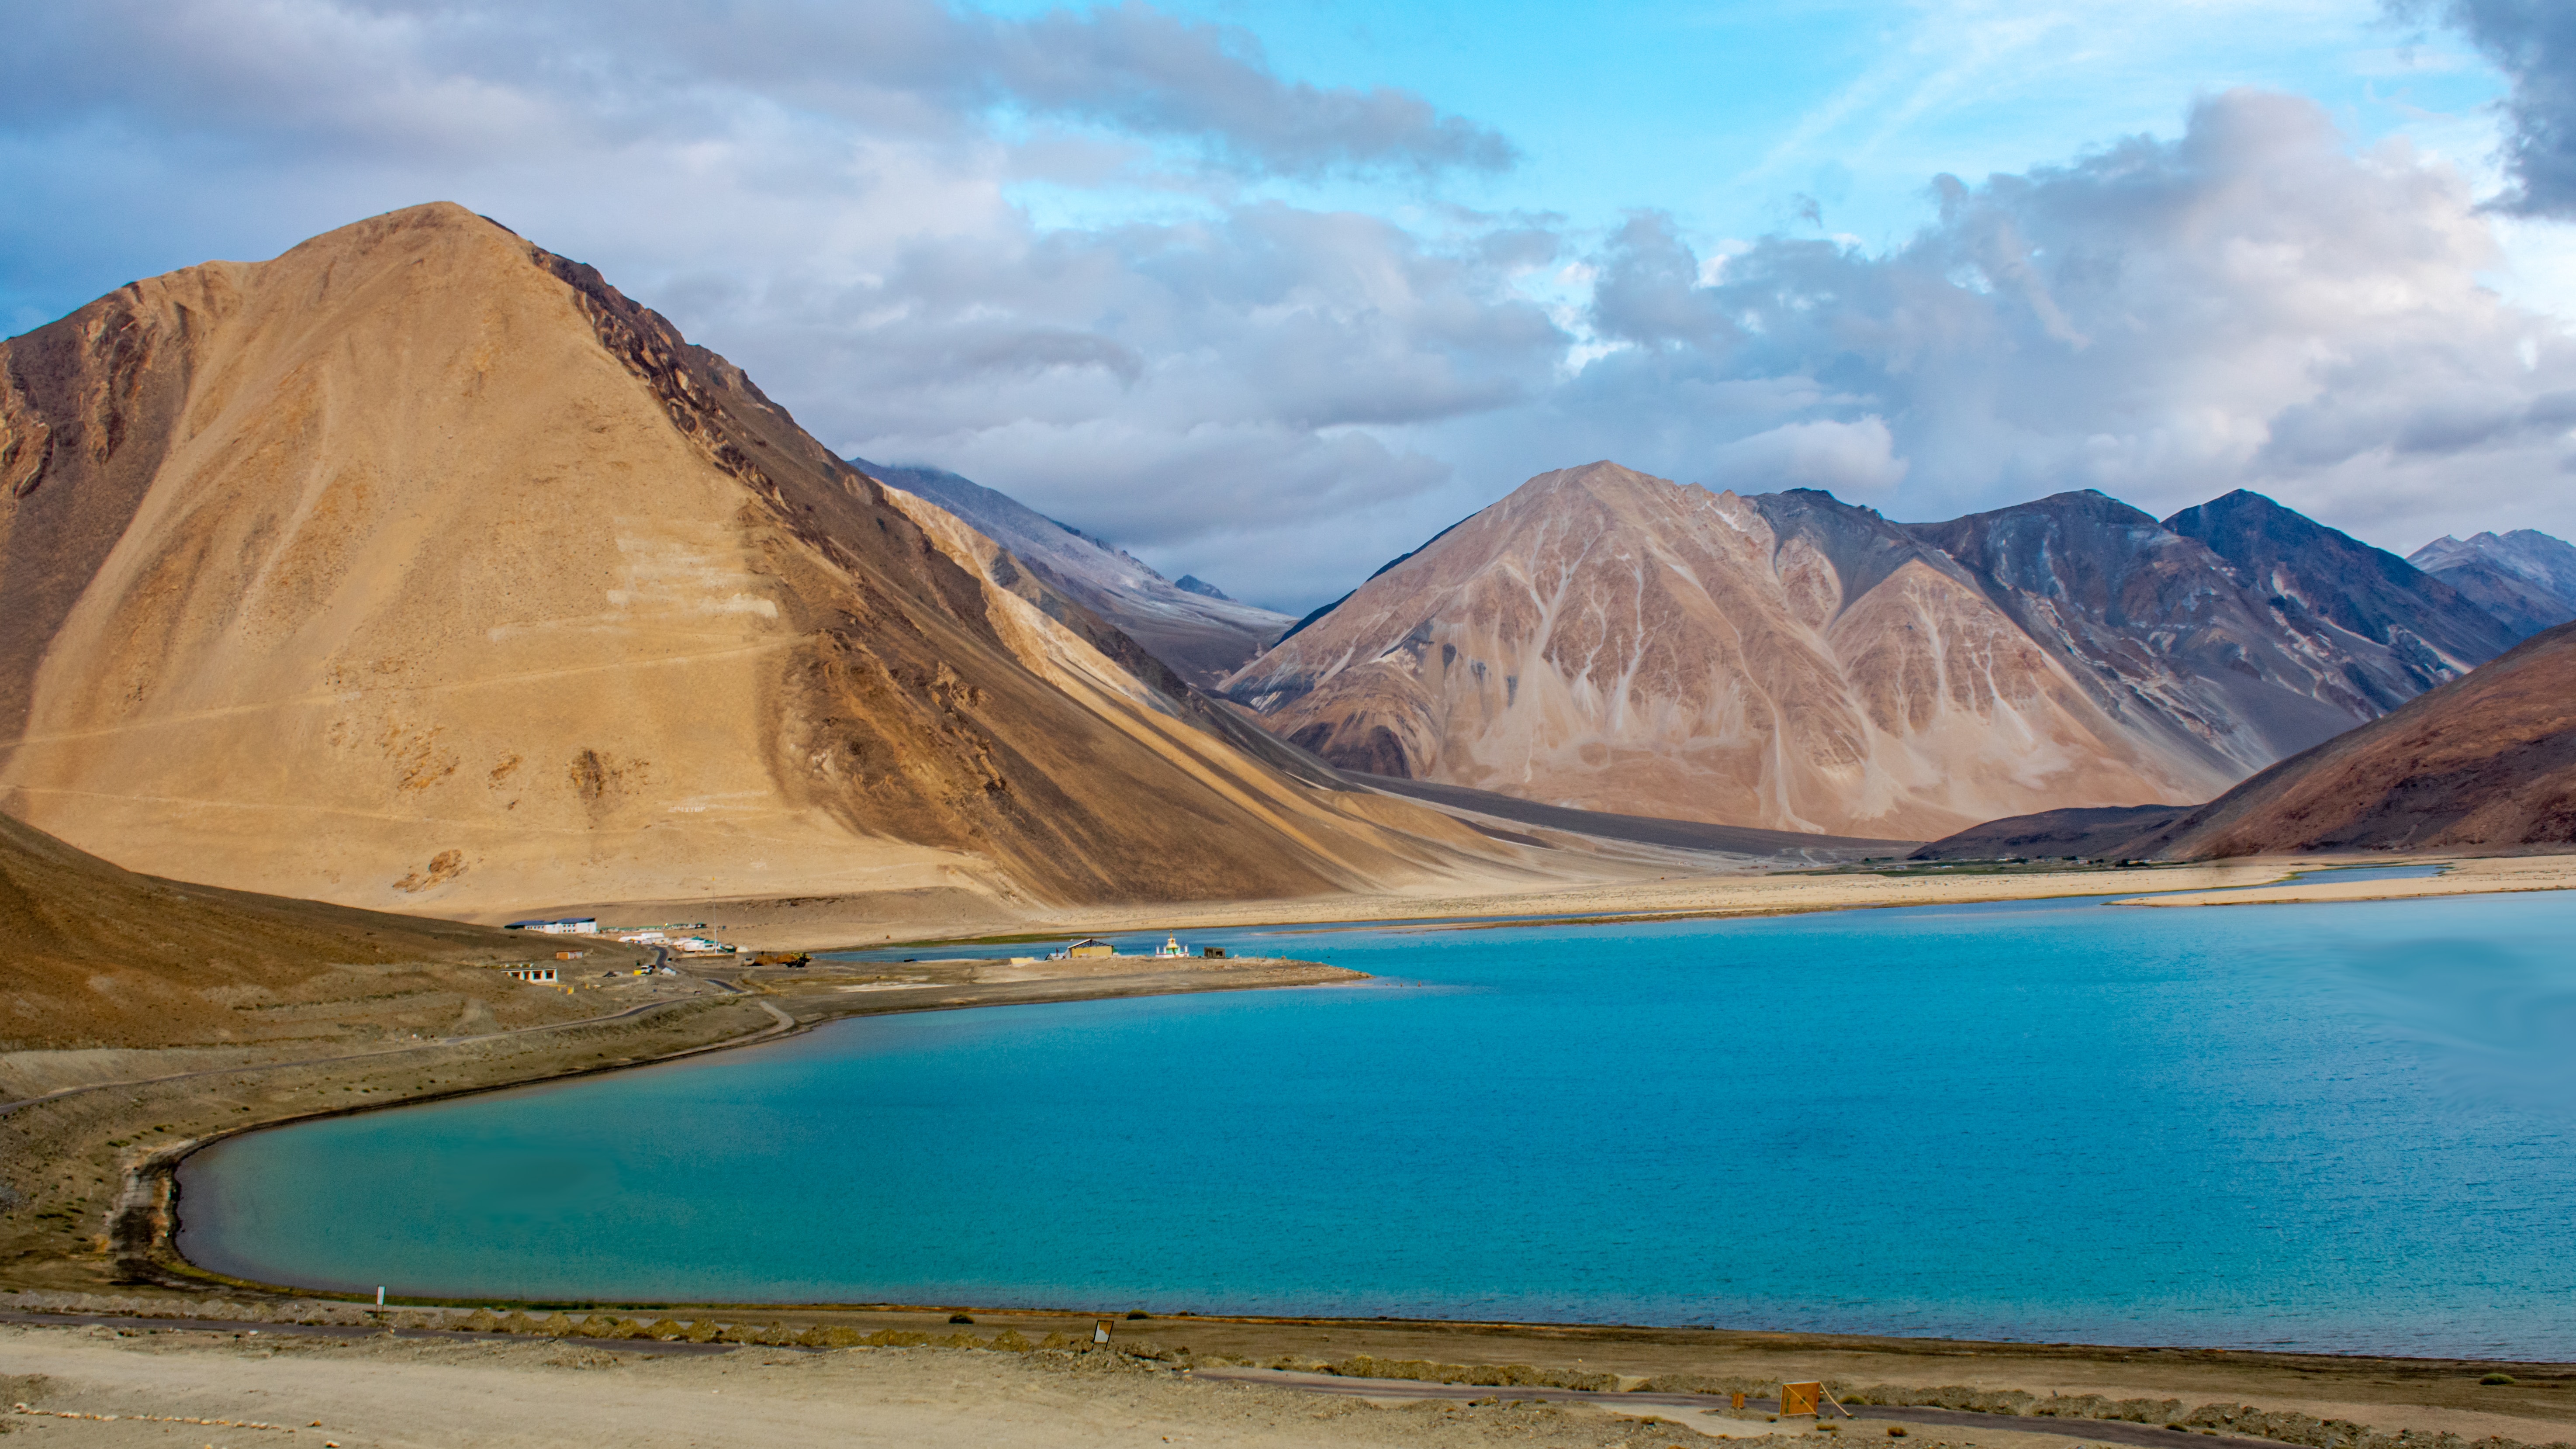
column 1270, row 290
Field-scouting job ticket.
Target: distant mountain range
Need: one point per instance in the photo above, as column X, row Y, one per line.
column 2526, row 580
column 1191, row 626
column 1611, row 641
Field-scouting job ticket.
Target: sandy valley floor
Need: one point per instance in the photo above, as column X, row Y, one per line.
column 1689, row 888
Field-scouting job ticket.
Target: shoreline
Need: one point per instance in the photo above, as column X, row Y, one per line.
column 148, row 1199
column 2249, row 881
column 2276, row 882
column 136, row 1222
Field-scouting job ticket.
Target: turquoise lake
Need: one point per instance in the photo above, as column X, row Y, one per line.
column 2346, row 1127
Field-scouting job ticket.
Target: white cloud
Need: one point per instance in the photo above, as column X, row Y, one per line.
column 2251, row 305
column 1854, row 461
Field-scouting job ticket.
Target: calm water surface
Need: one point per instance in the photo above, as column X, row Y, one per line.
column 2338, row 1127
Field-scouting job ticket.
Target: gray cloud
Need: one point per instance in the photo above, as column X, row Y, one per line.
column 2534, row 43
column 450, row 77
column 1267, row 347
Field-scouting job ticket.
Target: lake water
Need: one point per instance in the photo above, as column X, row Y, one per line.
column 2345, row 1127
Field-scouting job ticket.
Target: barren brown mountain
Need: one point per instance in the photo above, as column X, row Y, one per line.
column 2486, row 760
column 419, row 569
column 1617, row 642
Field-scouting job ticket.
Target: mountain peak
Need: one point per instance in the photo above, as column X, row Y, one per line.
column 2525, row 578
column 2328, row 575
column 431, row 573
column 1620, row 642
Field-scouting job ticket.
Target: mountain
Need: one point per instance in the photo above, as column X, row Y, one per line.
column 2182, row 642
column 420, row 569
column 2526, row 579
column 2485, row 761
column 1191, row 626
column 1614, row 642
column 2331, row 581
column 1788, row 661
column 2052, row 834
column 99, row 955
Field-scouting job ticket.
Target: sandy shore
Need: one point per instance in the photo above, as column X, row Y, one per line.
column 1188, row 1381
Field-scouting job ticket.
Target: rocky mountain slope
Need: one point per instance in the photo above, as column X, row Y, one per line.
column 1610, row 641
column 2321, row 579
column 2177, row 640
column 103, row 956
column 2485, row 761
column 1786, row 661
column 2525, row 578
column 420, row 569
column 1198, row 631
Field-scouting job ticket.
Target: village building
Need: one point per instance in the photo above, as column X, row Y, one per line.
column 568, row 926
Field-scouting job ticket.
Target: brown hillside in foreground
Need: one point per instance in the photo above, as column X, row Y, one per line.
column 2486, row 760
column 419, row 569
column 99, row 956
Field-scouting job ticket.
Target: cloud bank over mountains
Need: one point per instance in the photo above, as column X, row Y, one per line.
column 2248, row 305
column 1118, row 263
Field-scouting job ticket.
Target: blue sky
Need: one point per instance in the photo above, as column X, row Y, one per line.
column 1268, row 292
column 1733, row 115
